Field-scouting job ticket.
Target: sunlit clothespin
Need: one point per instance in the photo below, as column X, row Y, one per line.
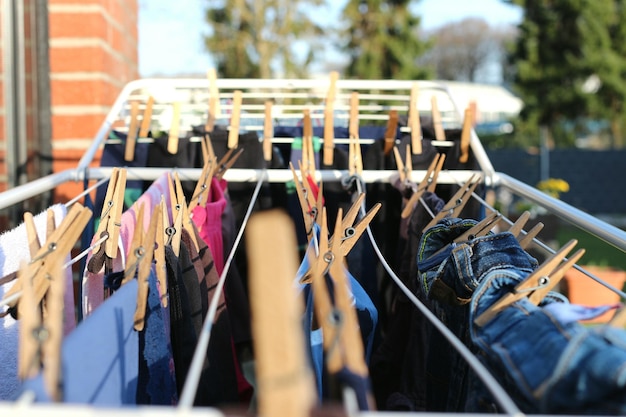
column 139, row 264
column 414, row 121
column 329, row 124
column 111, row 217
column 131, row 138
column 456, row 204
column 428, row 183
column 536, row 285
column 355, row 160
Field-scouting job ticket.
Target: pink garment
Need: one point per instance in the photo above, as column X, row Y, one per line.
column 14, row 250
column 93, row 282
column 208, row 220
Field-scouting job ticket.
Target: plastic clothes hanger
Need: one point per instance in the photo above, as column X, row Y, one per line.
column 537, row 284
column 329, row 116
column 428, row 183
column 131, row 139
column 456, row 204
column 414, row 121
column 140, row 255
column 390, row 132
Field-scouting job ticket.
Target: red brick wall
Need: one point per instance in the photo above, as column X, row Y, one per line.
column 93, row 54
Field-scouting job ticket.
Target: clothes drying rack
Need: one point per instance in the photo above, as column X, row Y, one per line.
column 290, row 98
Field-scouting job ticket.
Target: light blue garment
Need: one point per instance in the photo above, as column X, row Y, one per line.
column 101, row 356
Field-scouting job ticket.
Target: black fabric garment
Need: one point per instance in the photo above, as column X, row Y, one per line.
column 192, row 287
column 182, row 334
column 398, row 368
column 113, row 156
column 189, row 155
column 218, row 381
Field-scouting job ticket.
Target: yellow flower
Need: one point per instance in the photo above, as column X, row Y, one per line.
column 553, row 186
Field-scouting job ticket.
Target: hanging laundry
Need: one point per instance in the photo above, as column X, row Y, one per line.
column 14, row 249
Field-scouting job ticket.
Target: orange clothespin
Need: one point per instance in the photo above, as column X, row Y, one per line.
column 131, row 139
column 355, row 159
column 390, row 133
column 147, row 118
column 537, row 284
column 456, row 204
column 440, row 134
column 111, row 217
column 233, row 133
column 329, row 115
column 268, row 132
column 414, row 121
column 428, row 183
column 172, row 139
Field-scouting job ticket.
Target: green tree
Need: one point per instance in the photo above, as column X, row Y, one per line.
column 256, row 38
column 563, row 57
column 382, row 40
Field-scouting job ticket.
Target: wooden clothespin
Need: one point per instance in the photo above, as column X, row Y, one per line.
column 537, row 284
column 159, row 251
column 482, row 228
column 350, row 233
column 414, row 121
column 355, row 160
column 342, row 338
column 329, row 119
column 308, row 155
column 111, row 217
column 525, row 239
column 131, row 139
column 456, row 204
column 147, row 118
column 465, row 135
column 404, row 168
column 517, row 227
column 233, row 133
column 203, row 186
column 304, row 196
column 182, row 219
column 29, row 354
column 268, row 132
column 172, row 139
column 428, row 183
column 440, row 134
column 214, row 101
column 57, row 245
column 390, row 133
column 226, row 163
column 174, row 231
column 53, row 324
column 140, row 257
column 285, row 383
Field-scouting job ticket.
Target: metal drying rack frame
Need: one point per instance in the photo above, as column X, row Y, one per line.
column 290, row 97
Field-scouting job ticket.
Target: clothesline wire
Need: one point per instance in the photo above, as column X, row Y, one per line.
column 550, row 250
column 195, row 370
column 500, row 395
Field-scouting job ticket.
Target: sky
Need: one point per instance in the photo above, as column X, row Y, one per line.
column 171, row 32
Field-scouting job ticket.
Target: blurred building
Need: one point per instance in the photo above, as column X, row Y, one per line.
column 63, row 64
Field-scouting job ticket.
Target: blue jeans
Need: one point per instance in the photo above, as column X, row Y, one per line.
column 557, row 367
column 449, row 275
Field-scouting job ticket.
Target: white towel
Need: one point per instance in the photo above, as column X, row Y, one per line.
column 14, row 250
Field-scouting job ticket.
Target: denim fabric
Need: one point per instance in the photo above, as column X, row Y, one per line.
column 448, row 274
column 558, row 367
